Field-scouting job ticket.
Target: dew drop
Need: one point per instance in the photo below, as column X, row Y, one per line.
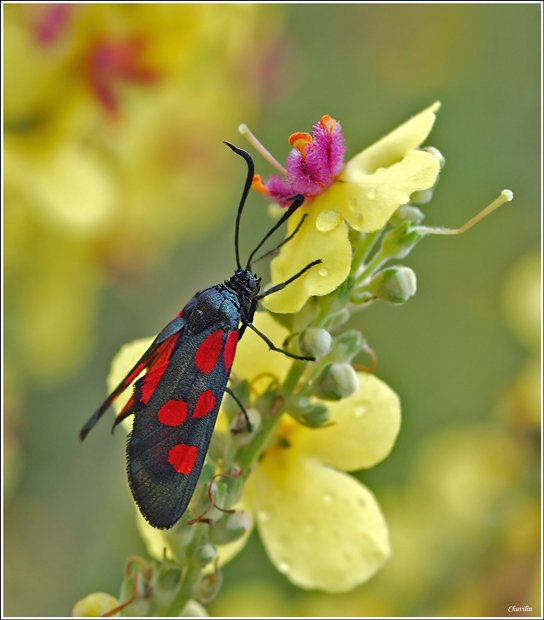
column 353, row 201
column 283, row 567
column 371, row 194
column 263, row 516
column 360, row 411
column 380, row 170
column 328, row 220
column 327, row 499
column 308, row 529
column 324, row 272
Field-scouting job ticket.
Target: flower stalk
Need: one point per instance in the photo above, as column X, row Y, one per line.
column 312, row 421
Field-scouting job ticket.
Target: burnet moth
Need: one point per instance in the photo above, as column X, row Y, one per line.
column 175, row 404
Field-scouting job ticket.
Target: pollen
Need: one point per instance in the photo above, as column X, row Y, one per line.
column 300, row 141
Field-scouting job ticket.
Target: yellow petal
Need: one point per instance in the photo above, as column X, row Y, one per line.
column 394, row 146
column 95, row 605
column 254, row 360
column 323, row 236
column 321, row 528
column 122, row 364
column 363, row 431
column 369, row 200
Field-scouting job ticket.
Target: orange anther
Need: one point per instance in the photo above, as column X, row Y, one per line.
column 257, row 184
column 327, row 123
column 300, row 140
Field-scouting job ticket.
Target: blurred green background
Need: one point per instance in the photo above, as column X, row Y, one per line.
column 119, row 205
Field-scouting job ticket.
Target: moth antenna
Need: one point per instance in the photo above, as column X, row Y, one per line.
column 247, row 187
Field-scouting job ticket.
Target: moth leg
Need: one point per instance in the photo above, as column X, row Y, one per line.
column 231, row 393
column 273, row 347
column 281, row 286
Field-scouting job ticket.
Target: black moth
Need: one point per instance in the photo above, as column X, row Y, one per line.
column 176, row 403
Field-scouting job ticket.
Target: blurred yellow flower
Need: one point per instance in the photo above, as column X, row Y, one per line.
column 365, row 194
column 110, row 136
column 321, row 527
column 95, row 605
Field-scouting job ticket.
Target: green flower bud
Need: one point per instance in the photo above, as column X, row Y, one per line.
column 315, row 342
column 406, row 213
column 193, row 609
column 309, row 414
column 395, row 284
column 230, row 527
column 398, row 243
column 209, row 587
column 339, row 318
column 337, row 381
column 205, row 554
column 346, row 346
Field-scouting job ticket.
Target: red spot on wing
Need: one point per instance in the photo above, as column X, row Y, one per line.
column 183, row 458
column 207, row 354
column 173, row 413
column 205, row 404
column 156, row 370
column 230, row 349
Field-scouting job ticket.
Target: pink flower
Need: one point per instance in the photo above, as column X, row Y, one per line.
column 312, row 166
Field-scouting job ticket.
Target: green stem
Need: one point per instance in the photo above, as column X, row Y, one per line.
column 362, row 250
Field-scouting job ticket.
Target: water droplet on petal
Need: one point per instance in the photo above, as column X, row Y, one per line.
column 328, row 220
column 283, row 567
column 308, row 529
column 353, row 201
column 327, row 499
column 324, row 272
column 371, row 194
column 360, row 410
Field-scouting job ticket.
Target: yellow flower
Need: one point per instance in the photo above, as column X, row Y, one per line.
column 321, row 527
column 95, row 605
column 365, row 194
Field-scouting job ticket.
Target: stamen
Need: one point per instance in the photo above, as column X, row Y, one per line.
column 327, row 123
column 244, row 130
column 506, row 196
column 300, row 141
column 258, row 185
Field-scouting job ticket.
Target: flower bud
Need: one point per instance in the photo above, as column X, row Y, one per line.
column 210, row 586
column 398, row 243
column 406, row 213
column 339, row 318
column 434, row 151
column 337, row 381
column 205, row 554
column 193, row 609
column 309, row 414
column 395, row 284
column 315, row 342
column 230, row 527
column 94, row 605
column 346, row 346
